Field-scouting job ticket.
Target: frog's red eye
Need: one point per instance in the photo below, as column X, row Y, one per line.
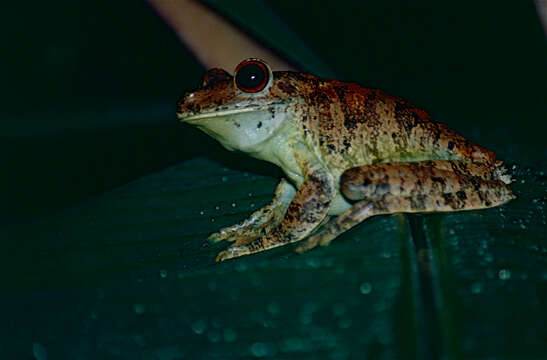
column 252, row 76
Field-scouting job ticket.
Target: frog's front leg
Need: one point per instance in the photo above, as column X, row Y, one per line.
column 428, row 186
column 306, row 211
column 261, row 221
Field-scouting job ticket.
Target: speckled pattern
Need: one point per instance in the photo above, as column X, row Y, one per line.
column 348, row 151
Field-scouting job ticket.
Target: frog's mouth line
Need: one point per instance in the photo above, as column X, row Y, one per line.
column 228, row 112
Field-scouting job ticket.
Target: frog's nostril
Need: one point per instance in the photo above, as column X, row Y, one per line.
column 194, row 107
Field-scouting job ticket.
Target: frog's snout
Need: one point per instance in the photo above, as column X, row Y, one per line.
column 187, row 105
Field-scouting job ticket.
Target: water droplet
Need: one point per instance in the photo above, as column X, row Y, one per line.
column 259, row 349
column 273, row 308
column 522, row 181
column 217, row 207
column 199, row 327
column 250, row 194
column 233, row 205
column 252, row 205
column 224, row 178
column 504, row 274
column 229, row 335
column 139, row 309
column 202, row 212
column 365, row 288
column 476, row 288
column 163, row 274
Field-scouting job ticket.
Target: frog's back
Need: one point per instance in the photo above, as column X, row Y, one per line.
column 355, row 126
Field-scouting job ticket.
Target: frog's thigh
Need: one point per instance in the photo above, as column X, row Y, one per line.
column 261, row 221
column 435, row 185
column 412, row 187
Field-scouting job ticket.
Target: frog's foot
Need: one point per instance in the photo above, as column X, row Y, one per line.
column 345, row 221
column 502, row 173
column 270, row 241
column 230, row 253
column 243, row 234
column 260, row 222
column 244, row 249
column 234, row 233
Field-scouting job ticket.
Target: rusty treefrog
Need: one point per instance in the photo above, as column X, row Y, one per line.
column 348, row 153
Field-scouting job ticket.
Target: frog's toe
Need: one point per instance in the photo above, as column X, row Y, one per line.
column 237, row 239
column 215, row 237
column 223, row 255
column 307, row 244
column 232, row 252
column 226, row 234
column 322, row 238
column 244, row 240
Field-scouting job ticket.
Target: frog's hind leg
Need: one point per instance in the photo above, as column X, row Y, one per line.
column 429, row 186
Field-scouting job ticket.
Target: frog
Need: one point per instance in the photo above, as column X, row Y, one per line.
column 347, row 152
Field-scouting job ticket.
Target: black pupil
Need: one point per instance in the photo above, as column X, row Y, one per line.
column 250, row 76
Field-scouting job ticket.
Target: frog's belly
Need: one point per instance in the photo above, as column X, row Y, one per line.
column 339, row 205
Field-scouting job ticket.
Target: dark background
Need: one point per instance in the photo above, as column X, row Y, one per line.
column 88, row 108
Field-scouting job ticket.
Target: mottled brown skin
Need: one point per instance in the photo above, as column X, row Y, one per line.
column 348, row 151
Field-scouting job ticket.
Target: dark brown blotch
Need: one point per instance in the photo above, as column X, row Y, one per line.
column 287, row 87
column 461, row 195
column 438, row 180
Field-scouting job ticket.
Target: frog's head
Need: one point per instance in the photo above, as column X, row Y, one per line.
column 240, row 111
